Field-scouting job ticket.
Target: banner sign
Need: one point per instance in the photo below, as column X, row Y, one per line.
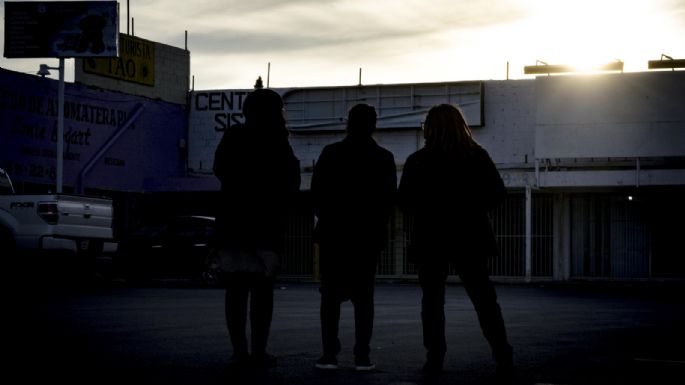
column 140, row 137
column 61, row 29
column 136, row 62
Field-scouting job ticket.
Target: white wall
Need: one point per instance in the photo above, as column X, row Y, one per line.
column 509, row 130
column 617, row 115
column 629, row 115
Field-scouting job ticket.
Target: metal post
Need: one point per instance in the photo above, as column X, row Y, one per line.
column 529, row 217
column 637, row 172
column 60, row 128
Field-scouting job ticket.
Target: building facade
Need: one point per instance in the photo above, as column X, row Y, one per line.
column 594, row 165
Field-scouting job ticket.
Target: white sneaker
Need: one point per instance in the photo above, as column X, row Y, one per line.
column 326, row 363
column 363, row 365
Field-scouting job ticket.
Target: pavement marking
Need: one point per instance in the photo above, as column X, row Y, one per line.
column 652, row 360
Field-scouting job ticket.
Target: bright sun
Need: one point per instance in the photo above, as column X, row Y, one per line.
column 586, row 34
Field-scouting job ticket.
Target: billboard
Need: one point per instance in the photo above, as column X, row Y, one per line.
column 136, row 62
column 61, row 29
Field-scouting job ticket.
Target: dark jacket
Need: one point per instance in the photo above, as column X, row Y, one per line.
column 260, row 177
column 353, row 189
column 449, row 197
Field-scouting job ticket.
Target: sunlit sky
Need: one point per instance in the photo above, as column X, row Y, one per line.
column 326, row 42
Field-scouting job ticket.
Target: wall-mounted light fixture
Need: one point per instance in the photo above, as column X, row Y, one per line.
column 665, row 64
column 613, row 66
column 541, row 67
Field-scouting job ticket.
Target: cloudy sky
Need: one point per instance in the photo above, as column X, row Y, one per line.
column 326, row 42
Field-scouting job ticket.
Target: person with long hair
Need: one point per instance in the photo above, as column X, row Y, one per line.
column 448, row 187
column 260, row 176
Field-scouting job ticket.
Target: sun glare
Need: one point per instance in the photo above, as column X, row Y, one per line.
column 587, row 34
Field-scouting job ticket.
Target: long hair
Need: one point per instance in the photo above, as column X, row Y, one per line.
column 446, row 130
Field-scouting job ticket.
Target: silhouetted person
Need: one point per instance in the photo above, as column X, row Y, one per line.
column 259, row 177
column 449, row 186
column 353, row 188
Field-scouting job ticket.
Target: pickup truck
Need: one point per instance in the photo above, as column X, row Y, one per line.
column 53, row 224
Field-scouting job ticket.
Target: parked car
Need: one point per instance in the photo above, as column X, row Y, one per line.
column 173, row 248
column 56, row 235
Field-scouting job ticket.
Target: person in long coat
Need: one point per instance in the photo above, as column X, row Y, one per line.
column 260, row 177
column 448, row 187
column 353, row 189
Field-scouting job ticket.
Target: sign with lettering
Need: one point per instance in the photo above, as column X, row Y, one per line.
column 211, row 113
column 61, row 29
column 224, row 107
column 136, row 62
column 112, row 141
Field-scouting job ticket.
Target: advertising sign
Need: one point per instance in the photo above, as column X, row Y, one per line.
column 136, row 62
column 144, row 156
column 61, row 29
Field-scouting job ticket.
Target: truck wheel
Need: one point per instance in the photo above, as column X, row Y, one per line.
column 10, row 257
column 7, row 244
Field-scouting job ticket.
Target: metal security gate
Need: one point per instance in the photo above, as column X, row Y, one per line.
column 597, row 235
column 509, row 223
column 298, row 256
column 609, row 237
column 509, row 227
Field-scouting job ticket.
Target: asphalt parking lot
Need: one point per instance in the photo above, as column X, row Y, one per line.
column 175, row 334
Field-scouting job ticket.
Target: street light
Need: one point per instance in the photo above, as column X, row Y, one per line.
column 43, row 71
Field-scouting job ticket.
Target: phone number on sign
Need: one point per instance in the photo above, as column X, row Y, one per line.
column 33, row 170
